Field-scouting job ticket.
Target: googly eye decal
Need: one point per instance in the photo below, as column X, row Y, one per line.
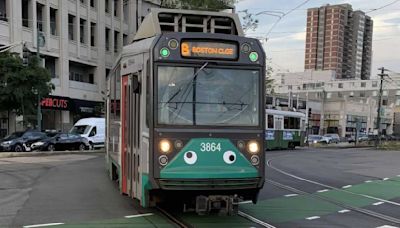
column 229, row 157
column 190, row 157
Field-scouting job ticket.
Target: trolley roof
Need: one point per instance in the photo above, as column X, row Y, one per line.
column 161, row 20
column 285, row 113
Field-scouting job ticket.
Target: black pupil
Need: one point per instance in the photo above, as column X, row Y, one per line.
column 189, row 155
column 231, row 158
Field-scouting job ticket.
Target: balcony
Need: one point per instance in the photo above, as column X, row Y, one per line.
column 83, row 86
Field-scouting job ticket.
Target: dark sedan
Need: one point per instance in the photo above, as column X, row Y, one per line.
column 21, row 140
column 61, row 142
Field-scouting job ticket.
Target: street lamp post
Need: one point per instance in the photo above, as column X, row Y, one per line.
column 40, row 41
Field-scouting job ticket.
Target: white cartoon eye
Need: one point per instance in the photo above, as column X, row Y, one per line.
column 229, row 157
column 190, row 157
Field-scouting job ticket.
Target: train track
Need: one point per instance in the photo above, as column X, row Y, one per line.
column 173, row 219
column 320, row 197
column 178, row 222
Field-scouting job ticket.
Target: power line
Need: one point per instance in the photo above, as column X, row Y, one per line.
column 384, row 6
column 285, row 14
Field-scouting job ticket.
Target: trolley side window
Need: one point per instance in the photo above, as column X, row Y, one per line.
column 291, row 123
column 270, row 121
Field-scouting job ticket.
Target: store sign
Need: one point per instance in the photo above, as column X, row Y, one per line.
column 209, row 50
column 55, row 103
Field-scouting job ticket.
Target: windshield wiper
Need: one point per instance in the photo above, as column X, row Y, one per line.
column 187, row 85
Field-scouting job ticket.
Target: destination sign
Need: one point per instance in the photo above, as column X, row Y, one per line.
column 209, row 50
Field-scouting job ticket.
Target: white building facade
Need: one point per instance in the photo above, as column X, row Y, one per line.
column 342, row 106
column 82, row 38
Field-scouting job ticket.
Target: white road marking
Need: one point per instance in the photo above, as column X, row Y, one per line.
column 368, row 181
column 386, row 178
column 387, row 226
column 343, row 211
column 328, row 186
column 291, row 195
column 246, row 202
column 313, row 218
column 138, row 215
column 377, row 203
column 42, row 225
column 323, row 190
column 251, row 218
column 347, row 186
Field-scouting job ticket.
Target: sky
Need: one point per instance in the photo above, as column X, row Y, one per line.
column 286, row 41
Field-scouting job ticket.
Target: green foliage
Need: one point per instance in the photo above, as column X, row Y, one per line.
column 211, row 5
column 21, row 85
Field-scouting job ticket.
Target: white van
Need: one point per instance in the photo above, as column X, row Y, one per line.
column 93, row 129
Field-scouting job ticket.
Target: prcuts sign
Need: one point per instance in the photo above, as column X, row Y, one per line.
column 56, row 103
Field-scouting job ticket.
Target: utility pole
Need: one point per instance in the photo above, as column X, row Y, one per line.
column 39, row 42
column 378, row 119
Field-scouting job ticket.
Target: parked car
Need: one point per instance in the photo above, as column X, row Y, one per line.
column 21, row 140
column 361, row 138
column 93, row 129
column 61, row 142
column 314, row 139
column 333, row 138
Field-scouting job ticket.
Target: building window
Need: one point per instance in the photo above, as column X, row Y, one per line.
column 125, row 39
column 3, row 10
column 385, row 102
column 81, row 73
column 116, row 8
column 125, row 8
column 116, row 41
column 93, row 31
column 363, row 84
column 26, row 14
column 83, row 2
column 39, row 14
column 374, row 84
column 53, row 22
column 340, row 85
column 108, row 39
column 93, row 3
column 82, row 31
column 107, row 6
column 71, row 27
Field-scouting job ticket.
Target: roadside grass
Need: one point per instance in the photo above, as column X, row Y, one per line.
column 390, row 146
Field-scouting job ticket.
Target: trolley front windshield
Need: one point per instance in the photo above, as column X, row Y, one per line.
column 208, row 96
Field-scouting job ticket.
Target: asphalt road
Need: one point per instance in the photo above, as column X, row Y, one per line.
column 75, row 189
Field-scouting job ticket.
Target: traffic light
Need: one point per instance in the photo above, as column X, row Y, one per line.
column 309, row 113
column 26, row 54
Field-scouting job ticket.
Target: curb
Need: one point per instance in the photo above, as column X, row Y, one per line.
column 46, row 153
column 344, row 147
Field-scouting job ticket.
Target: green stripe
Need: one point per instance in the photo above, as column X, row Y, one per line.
column 285, row 209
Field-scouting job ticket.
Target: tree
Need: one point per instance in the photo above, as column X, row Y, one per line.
column 269, row 82
column 21, row 86
column 212, row 5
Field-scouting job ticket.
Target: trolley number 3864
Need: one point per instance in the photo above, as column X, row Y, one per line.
column 210, row 147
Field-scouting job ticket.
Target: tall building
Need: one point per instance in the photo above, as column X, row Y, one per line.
column 81, row 40
column 339, row 39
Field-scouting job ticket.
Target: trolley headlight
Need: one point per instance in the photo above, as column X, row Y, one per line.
column 253, row 147
column 165, row 146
